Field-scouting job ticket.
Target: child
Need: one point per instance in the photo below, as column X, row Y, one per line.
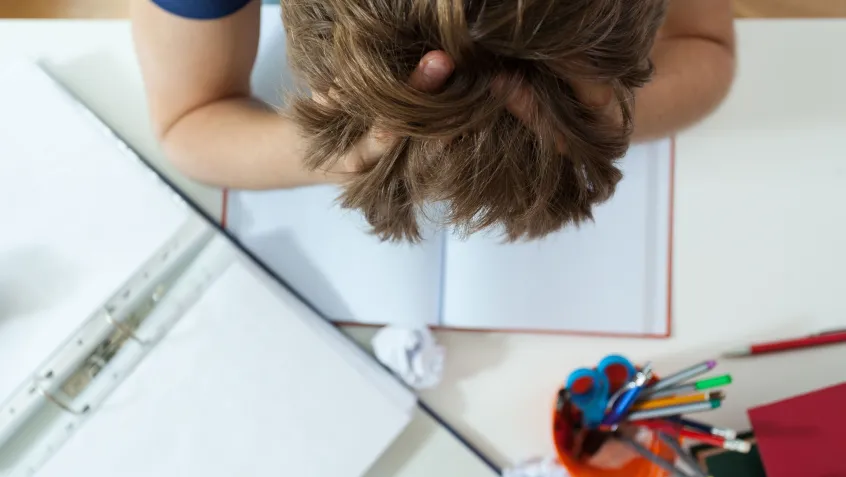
column 519, row 123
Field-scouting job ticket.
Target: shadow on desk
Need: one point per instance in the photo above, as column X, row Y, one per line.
column 32, row 279
column 281, row 252
column 465, row 360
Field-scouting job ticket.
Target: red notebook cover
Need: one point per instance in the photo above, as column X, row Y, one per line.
column 804, row 436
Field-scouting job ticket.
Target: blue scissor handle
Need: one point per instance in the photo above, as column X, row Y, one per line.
column 593, row 402
column 616, row 359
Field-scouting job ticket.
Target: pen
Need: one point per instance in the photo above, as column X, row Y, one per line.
column 627, row 398
column 673, row 410
column 701, row 385
column 819, row 339
column 682, row 375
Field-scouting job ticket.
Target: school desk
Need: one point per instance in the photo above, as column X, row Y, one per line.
column 759, row 236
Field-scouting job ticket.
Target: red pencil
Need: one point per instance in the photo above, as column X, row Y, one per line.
column 705, row 438
column 820, row 339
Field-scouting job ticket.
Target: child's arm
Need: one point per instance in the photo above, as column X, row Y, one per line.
column 197, row 77
column 694, row 68
column 694, row 62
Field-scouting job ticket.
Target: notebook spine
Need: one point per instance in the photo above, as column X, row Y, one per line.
column 73, row 381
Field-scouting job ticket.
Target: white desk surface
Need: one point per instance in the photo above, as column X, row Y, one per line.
column 95, row 58
column 759, row 231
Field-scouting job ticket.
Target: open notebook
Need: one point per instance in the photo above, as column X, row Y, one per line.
column 246, row 382
column 610, row 277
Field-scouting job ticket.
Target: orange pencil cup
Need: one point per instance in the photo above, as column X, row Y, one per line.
column 634, row 466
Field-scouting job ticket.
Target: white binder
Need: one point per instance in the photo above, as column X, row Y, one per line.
column 276, row 390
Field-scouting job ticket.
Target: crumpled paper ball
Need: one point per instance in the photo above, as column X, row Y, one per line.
column 537, row 467
column 411, row 353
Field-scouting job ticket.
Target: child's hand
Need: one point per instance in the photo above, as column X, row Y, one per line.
column 430, row 75
column 595, row 95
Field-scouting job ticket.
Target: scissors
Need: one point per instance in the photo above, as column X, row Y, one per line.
column 591, row 389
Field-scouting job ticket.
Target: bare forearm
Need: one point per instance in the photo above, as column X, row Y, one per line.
column 240, row 143
column 693, row 76
column 197, row 77
column 694, row 68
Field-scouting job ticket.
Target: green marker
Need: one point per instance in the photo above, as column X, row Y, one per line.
column 702, row 385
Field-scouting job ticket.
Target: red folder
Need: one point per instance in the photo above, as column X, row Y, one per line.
column 804, row 436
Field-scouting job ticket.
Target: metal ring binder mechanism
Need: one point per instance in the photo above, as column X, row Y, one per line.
column 71, row 384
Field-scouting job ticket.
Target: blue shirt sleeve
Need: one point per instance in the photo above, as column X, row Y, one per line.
column 202, row 9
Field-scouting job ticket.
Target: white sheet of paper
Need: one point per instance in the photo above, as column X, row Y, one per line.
column 79, row 217
column 610, row 276
column 246, row 384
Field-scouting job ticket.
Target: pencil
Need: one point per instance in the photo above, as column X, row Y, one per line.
column 682, row 375
column 673, row 401
column 682, row 454
column 651, row 457
column 736, row 445
column 690, row 423
column 701, row 385
column 673, row 410
column 716, row 441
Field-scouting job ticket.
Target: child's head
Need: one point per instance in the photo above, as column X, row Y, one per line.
column 461, row 145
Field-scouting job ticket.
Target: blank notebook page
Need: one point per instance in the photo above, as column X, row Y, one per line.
column 609, row 276
column 245, row 384
column 327, row 254
column 80, row 215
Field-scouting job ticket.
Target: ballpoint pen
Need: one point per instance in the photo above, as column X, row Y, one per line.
column 628, row 396
column 683, row 375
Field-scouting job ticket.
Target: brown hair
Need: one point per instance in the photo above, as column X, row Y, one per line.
column 460, row 145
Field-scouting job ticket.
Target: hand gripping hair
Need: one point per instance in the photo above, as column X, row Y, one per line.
column 461, row 146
